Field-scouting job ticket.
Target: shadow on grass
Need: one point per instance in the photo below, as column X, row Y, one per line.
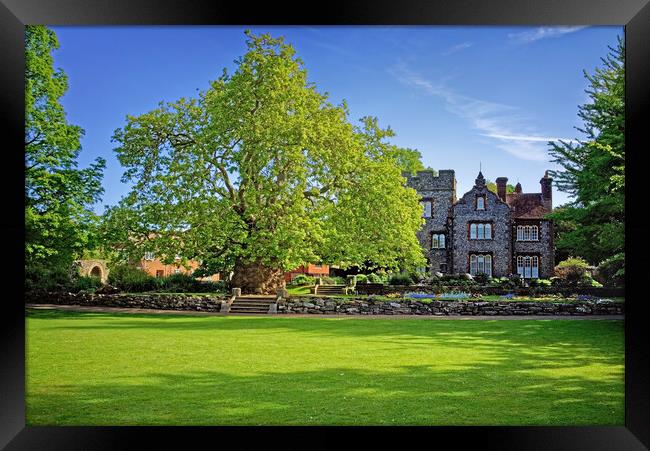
column 525, row 373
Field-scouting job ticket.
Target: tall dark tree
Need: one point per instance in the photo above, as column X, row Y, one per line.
column 593, row 169
column 59, row 221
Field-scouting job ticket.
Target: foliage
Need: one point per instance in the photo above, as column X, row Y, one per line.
column 261, row 168
column 492, row 186
column 362, row 278
column 400, row 279
column 59, row 222
column 593, row 225
column 333, row 280
column 376, row 278
column 86, row 283
column 303, row 279
column 612, row 270
column 481, row 278
column 131, row 279
column 573, row 270
column 46, row 278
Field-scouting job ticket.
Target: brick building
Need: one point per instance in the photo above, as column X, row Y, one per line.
column 155, row 267
column 483, row 232
column 313, row 270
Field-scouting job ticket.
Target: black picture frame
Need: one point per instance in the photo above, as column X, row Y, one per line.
column 14, row 14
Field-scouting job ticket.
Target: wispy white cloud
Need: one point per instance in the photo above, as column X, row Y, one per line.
column 457, row 48
column 543, row 33
column 507, row 125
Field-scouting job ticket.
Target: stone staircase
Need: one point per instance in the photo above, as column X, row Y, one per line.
column 330, row 290
column 252, row 304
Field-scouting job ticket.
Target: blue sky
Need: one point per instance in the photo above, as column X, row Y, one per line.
column 460, row 95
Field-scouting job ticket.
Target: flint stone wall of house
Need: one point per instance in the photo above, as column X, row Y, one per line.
column 497, row 213
column 440, row 190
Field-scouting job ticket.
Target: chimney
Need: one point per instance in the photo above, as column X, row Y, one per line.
column 501, row 187
column 518, row 188
column 547, row 192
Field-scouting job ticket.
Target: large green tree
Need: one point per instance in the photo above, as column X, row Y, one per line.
column 59, row 221
column 593, row 224
column 259, row 174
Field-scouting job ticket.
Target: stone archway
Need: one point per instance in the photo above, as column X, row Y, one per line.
column 93, row 268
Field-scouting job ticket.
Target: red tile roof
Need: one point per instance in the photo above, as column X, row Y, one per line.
column 527, row 205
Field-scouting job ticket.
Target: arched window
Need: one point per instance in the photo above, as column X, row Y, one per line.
column 480, row 203
column 528, row 266
column 534, row 233
column 520, row 233
column 480, row 231
column 527, row 233
column 488, row 231
column 472, row 232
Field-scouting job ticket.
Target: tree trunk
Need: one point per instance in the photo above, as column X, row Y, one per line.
column 257, row 278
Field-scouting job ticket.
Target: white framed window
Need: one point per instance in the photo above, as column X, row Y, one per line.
column 438, row 241
column 149, row 255
column 480, row 203
column 480, row 231
column 527, row 233
column 426, row 209
column 177, row 271
column 480, row 263
column 528, row 266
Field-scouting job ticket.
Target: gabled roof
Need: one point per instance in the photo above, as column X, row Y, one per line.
column 527, row 205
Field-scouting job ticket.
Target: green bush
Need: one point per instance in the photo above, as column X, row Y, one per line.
column 573, row 270
column 43, row 279
column 612, row 271
column 335, row 280
column 481, row 278
column 302, row 279
column 400, row 279
column 130, row 279
column 540, row 283
column 362, row 278
column 85, row 284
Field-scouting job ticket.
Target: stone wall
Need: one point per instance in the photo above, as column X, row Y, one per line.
column 452, row 308
column 144, row 301
column 542, row 248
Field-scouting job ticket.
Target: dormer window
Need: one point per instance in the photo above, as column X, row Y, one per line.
column 480, row 203
column 426, row 209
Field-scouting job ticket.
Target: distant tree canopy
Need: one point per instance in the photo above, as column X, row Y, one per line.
column 260, row 173
column 593, row 225
column 59, row 222
column 493, row 187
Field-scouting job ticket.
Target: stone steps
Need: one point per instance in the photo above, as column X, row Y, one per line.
column 329, row 290
column 252, row 304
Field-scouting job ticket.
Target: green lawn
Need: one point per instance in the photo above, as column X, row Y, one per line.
column 123, row 369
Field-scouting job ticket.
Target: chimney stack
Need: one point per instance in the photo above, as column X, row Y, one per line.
column 547, row 191
column 501, row 187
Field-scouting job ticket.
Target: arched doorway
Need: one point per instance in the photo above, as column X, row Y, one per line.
column 96, row 272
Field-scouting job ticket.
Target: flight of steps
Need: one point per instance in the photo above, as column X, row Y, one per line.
column 252, row 304
column 329, row 290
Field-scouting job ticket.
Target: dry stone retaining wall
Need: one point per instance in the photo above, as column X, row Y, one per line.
column 144, row 301
column 440, row 308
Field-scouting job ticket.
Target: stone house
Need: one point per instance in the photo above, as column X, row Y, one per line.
column 484, row 232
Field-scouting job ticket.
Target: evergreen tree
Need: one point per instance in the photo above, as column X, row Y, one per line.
column 593, row 224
